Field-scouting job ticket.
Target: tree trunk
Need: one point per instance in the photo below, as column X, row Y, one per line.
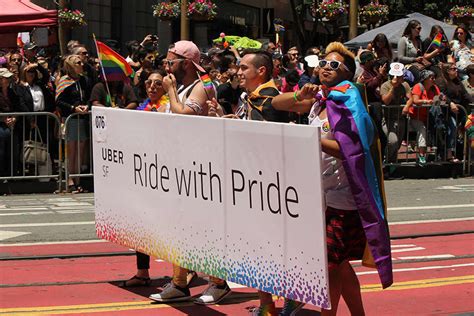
column 184, row 20
column 300, row 31
column 62, row 31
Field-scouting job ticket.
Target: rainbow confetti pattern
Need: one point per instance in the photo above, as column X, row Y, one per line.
column 251, row 269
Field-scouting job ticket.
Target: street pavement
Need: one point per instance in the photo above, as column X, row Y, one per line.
column 50, row 255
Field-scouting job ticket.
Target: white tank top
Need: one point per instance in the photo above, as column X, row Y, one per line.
column 335, row 185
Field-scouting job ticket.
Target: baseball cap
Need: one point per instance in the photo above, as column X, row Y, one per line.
column 396, row 69
column 5, row 73
column 188, row 50
column 366, row 56
column 312, row 60
column 214, row 51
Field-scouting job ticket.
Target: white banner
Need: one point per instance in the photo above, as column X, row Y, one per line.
column 239, row 200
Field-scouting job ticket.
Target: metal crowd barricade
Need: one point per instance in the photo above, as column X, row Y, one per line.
column 84, row 157
column 14, row 167
column 402, row 137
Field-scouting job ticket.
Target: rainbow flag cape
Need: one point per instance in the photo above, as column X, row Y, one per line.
column 357, row 137
column 64, row 82
column 115, row 67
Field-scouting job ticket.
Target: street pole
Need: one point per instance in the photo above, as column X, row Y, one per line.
column 184, row 20
column 353, row 10
column 62, row 30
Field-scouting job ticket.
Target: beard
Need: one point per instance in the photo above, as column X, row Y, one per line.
column 180, row 73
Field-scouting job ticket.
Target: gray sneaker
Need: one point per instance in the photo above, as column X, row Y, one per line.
column 171, row 293
column 213, row 294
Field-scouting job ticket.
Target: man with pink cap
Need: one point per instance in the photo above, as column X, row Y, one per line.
column 182, row 65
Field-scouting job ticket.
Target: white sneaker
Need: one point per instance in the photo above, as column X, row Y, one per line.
column 213, row 294
column 171, row 293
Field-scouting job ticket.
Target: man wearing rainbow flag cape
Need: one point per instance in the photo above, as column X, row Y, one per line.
column 356, row 224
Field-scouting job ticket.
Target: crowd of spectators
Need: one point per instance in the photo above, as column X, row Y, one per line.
column 403, row 90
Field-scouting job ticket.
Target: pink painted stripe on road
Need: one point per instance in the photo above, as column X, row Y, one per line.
column 431, row 227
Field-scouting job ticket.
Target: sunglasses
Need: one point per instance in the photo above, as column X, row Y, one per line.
column 16, row 59
column 84, row 53
column 79, row 63
column 170, row 62
column 333, row 64
column 418, row 28
column 460, row 33
column 150, row 82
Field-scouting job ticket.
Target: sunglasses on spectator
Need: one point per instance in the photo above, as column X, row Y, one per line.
column 16, row 59
column 333, row 64
column 453, row 68
column 170, row 62
column 460, row 33
column 79, row 63
column 84, row 53
column 150, row 82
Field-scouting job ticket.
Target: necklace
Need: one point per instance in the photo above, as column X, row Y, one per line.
column 153, row 107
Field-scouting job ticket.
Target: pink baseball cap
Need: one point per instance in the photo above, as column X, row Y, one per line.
column 188, row 50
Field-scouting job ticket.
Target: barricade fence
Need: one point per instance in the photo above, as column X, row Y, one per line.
column 430, row 131
column 30, row 147
column 67, row 143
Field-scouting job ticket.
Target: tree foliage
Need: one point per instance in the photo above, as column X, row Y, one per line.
column 437, row 9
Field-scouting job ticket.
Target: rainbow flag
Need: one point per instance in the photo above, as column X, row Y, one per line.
column 354, row 131
column 438, row 40
column 206, row 81
column 114, row 66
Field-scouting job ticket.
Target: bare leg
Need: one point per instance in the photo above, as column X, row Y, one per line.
column 335, row 289
column 82, row 149
column 72, row 160
column 351, row 289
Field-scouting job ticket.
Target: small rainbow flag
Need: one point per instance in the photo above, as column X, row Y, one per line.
column 115, row 67
column 206, row 81
column 438, row 40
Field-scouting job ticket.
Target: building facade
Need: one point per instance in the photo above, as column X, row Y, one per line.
column 125, row 20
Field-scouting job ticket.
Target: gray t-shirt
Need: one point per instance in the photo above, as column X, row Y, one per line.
column 399, row 97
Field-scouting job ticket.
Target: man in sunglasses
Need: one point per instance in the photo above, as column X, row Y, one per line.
column 255, row 73
column 15, row 63
column 182, row 66
column 351, row 177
